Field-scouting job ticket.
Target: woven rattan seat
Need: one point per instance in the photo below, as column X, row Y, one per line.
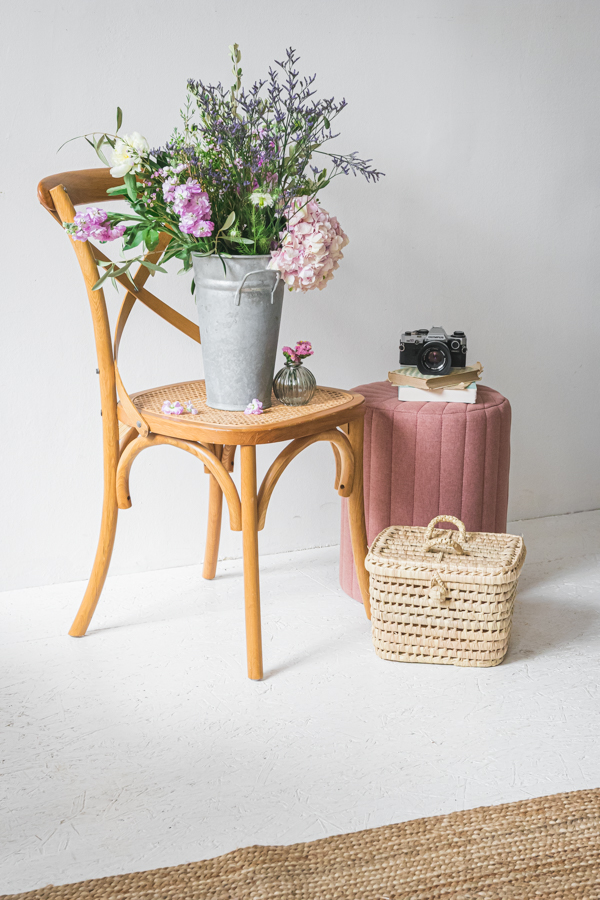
column 218, row 425
column 132, row 423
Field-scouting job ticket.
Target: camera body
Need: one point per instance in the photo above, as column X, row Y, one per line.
column 433, row 351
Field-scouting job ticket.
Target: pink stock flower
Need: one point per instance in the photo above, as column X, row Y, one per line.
column 94, row 223
column 192, row 223
column 304, row 349
column 300, row 352
column 191, row 204
column 311, row 246
column 172, row 408
column 290, row 354
column 177, row 408
column 254, row 408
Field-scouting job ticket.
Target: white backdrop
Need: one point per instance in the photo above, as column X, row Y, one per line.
column 483, row 114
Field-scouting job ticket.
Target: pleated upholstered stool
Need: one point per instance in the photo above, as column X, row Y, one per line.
column 422, row 460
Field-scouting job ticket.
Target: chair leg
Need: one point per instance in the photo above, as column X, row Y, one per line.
column 356, row 509
column 251, row 570
column 213, row 533
column 108, row 528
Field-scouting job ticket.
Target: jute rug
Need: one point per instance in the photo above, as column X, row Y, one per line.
column 542, row 849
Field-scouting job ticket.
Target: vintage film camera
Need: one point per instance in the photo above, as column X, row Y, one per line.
column 433, row 351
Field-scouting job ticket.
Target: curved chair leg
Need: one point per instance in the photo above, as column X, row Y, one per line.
column 213, row 532
column 108, row 528
column 356, row 509
column 251, row 571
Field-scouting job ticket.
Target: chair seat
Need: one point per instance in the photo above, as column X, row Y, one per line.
column 329, row 407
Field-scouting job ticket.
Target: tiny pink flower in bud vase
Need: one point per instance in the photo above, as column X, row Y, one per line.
column 294, row 385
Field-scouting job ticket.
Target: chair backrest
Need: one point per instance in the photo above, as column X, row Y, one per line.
column 83, row 186
column 60, row 194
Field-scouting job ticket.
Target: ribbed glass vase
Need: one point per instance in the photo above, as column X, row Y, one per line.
column 294, row 385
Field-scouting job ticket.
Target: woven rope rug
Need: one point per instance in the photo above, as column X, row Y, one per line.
column 541, row 849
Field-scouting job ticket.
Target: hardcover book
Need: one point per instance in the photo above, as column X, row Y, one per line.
column 445, row 395
column 456, row 378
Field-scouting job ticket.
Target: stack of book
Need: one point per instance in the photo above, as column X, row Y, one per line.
column 458, row 386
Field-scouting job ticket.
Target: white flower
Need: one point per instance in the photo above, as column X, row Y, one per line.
column 128, row 154
column 259, row 199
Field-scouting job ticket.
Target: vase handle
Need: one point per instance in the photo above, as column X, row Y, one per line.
column 257, row 272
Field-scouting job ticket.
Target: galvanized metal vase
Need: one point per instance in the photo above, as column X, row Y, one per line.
column 239, row 304
column 294, row 385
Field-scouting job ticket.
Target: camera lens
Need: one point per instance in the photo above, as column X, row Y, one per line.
column 434, row 359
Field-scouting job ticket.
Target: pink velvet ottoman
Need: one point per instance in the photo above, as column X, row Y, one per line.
column 425, row 459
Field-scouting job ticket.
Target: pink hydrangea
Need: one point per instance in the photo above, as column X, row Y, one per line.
column 94, row 223
column 191, row 204
column 311, row 247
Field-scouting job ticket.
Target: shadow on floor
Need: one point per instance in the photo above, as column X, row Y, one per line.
column 542, row 625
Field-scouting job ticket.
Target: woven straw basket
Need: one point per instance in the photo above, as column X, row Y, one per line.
column 442, row 596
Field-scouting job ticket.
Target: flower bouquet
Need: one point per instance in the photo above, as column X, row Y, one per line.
column 235, row 194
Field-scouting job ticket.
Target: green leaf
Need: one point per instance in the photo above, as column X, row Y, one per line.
column 327, row 123
column 98, row 149
column 119, row 189
column 151, row 237
column 136, row 238
column 193, row 286
column 152, row 266
column 131, row 185
column 100, row 281
column 239, row 238
column 229, row 221
column 119, row 117
column 130, row 276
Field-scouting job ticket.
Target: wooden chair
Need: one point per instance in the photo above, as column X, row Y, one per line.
column 130, row 424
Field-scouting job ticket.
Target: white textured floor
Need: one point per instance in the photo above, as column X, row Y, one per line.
column 145, row 745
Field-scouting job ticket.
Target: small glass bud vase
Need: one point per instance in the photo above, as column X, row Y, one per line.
column 294, row 385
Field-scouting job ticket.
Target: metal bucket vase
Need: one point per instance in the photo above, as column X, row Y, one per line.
column 239, row 305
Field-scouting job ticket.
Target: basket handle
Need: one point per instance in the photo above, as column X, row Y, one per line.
column 448, row 542
column 256, row 272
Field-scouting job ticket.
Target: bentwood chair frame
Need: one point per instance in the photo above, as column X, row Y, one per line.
column 130, row 425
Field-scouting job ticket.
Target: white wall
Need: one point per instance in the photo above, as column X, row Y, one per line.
column 483, row 114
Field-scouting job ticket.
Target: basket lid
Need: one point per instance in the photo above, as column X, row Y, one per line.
column 471, row 557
